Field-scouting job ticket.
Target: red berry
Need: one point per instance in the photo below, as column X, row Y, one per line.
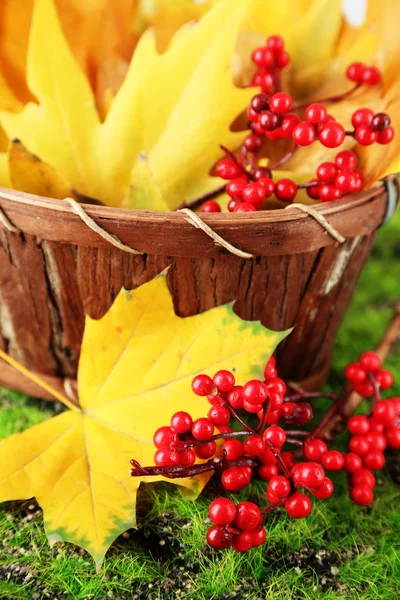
column 253, row 143
column 248, row 516
column 393, row 437
column 219, row 415
column 313, row 190
column 359, row 445
column 267, row 472
column 234, row 203
column 279, row 486
column 325, row 490
column 267, row 185
column 386, row 136
column 282, row 59
column 242, row 542
column 181, row 422
column 358, row 425
column 253, row 193
column 327, row 172
column 202, row 385
column 224, row 380
column 384, row 412
column 352, row 462
column 384, row 378
column 375, row 426
column 219, row 538
column 272, row 417
column 364, row 477
column 380, row 122
column 289, row 122
column 281, row 102
column 227, row 169
column 346, row 183
column 275, row 43
column 316, row 113
column 365, row 135
column 328, row 192
column 333, row 460
column 258, row 537
column 164, row 457
column 374, row 460
column 222, row 511
column 259, row 103
column 265, row 81
column 267, row 457
column 332, row 135
column 235, row 478
column 314, row 450
column 362, row 494
column 236, row 186
column 244, row 207
column 376, row 440
column 355, row 72
column 263, row 57
column 308, row 474
column 235, row 397
column 371, row 76
column 254, row 445
column 255, row 392
column 202, row 429
column 364, row 389
column 276, row 385
column 303, row 413
column 187, row 458
column 346, row 160
column 206, row 451
column 275, row 435
column 233, row 449
column 285, row 190
column 303, row 134
column 289, row 460
column 163, row 437
column 215, row 398
column 252, row 408
column 275, row 401
column 362, row 116
column 210, row 207
column 269, row 121
column 298, row 505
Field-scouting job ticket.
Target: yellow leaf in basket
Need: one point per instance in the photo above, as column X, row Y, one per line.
column 145, row 193
column 29, row 174
column 4, row 174
column 135, row 371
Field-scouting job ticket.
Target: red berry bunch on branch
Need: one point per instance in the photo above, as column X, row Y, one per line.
column 273, row 116
column 291, row 461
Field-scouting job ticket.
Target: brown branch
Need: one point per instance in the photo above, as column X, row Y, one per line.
column 349, row 400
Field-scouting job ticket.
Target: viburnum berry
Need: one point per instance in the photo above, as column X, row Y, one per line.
column 164, row 437
column 252, row 408
column 289, row 459
column 314, row 450
column 374, row 460
column 304, row 134
column 355, row 72
column 358, row 425
column 269, row 120
column 328, row 192
column 364, row 389
column 235, row 478
column 255, row 392
column 346, row 183
column 244, row 207
column 258, row 537
column 259, row 103
column 224, row 380
column 263, row 57
column 288, row 409
column 253, row 193
column 302, row 414
column 248, row 516
column 219, row 415
column 267, row 472
column 384, row 412
column 325, row 490
column 222, row 511
column 362, row 116
column 364, row 477
column 298, row 506
column 376, row 440
column 352, row 462
column 187, row 458
column 242, row 542
column 276, row 384
column 371, row 76
column 286, row 190
column 362, row 494
column 275, row 435
column 279, row 487
column 227, row 169
column 365, row 135
column 254, row 445
column 288, row 123
column 308, row 474
column 219, row 538
column 392, row 434
column 181, row 422
column 346, row 160
column 233, row 449
column 206, row 450
column 165, row 457
column 316, row 113
column 384, row 379
column 210, row 207
column 332, row 134
column 202, row 429
column 333, row 460
column 236, row 186
column 202, row 385
column 235, row 397
column 359, row 445
column 313, row 190
column 386, row 136
column 267, row 185
column 281, row 102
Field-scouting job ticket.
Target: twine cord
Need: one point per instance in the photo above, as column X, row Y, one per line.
column 321, row 220
column 7, row 223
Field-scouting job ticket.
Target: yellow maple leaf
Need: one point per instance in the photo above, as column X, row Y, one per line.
column 177, row 107
column 135, row 371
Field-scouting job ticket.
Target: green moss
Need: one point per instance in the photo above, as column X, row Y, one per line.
column 169, row 551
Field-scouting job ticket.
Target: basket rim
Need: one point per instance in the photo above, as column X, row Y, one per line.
column 262, row 233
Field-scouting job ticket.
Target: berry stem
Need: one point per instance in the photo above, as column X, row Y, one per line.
column 376, row 387
column 238, row 418
column 278, row 457
column 297, row 432
column 285, row 158
column 180, row 446
column 261, row 424
column 300, row 396
column 230, row 155
column 336, row 98
column 201, row 199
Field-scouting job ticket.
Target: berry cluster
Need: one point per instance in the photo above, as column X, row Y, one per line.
column 269, row 60
column 292, row 476
column 272, row 116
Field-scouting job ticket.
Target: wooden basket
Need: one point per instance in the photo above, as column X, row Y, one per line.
column 56, row 269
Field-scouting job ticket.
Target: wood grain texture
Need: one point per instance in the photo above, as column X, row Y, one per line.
column 57, row 271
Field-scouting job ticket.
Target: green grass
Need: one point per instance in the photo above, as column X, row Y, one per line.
column 340, row 551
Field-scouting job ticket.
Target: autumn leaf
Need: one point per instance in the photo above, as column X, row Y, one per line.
column 135, row 371
column 152, row 112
